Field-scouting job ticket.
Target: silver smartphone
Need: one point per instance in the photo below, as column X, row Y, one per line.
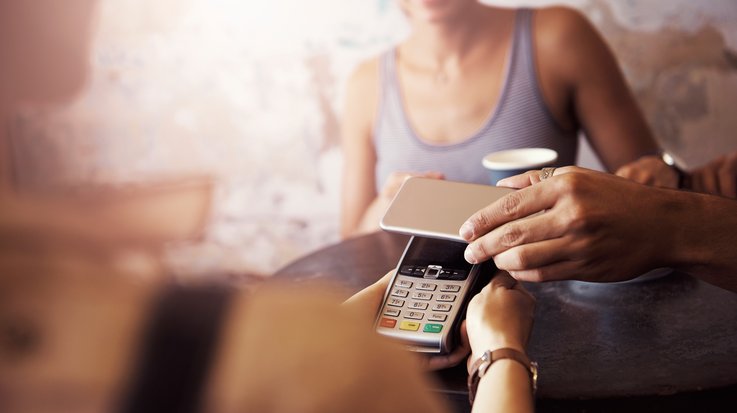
column 427, row 296
column 437, row 208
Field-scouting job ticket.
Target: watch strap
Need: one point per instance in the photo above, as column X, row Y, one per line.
column 481, row 365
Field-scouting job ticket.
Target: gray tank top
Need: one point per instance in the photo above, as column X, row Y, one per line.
column 521, row 119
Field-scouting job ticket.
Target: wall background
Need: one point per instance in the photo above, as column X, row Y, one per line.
column 250, row 92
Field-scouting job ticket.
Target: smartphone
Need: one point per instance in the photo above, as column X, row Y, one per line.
column 437, row 208
column 426, row 300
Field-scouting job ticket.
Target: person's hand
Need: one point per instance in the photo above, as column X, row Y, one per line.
column 366, row 303
column 499, row 316
column 595, row 226
column 650, row 170
column 718, row 177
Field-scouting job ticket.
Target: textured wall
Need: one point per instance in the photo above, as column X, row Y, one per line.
column 250, row 93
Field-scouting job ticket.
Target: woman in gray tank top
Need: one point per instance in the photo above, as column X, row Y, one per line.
column 472, row 79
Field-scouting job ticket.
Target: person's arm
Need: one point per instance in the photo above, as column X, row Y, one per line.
column 361, row 205
column 599, row 227
column 501, row 316
column 592, row 89
column 359, row 157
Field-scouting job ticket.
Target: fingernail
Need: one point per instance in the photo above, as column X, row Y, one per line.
column 466, row 231
column 502, row 182
column 469, row 256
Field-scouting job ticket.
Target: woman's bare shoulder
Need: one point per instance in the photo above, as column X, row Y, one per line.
column 362, row 94
column 562, row 23
column 365, row 74
column 565, row 38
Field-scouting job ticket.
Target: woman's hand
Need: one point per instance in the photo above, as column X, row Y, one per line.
column 499, row 316
column 650, row 170
column 718, row 177
column 366, row 303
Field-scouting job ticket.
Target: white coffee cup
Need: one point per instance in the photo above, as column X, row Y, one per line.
column 504, row 164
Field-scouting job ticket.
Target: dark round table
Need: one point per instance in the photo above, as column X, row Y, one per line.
column 665, row 344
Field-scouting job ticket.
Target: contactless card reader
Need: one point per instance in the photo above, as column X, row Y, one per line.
column 427, row 296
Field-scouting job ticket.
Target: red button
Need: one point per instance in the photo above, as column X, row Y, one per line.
column 387, row 322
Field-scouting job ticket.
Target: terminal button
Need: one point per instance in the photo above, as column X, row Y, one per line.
column 395, row 302
column 441, row 307
column 416, row 305
column 447, row 297
column 398, row 292
column 432, row 328
column 392, row 312
column 409, row 325
column 415, row 315
column 404, row 284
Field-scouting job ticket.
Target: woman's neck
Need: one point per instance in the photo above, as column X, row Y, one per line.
column 445, row 44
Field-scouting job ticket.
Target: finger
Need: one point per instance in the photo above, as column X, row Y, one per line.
column 696, row 181
column 535, row 255
column 454, row 358
column 562, row 270
column 625, row 172
column 512, row 206
column 709, row 181
column 369, row 299
column 728, row 179
column 384, row 281
column 520, row 181
column 639, row 175
column 515, row 233
column 502, row 280
column 533, row 177
column 433, row 175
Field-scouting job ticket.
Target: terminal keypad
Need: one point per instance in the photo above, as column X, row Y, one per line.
column 422, row 298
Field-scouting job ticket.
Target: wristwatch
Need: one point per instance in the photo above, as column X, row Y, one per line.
column 684, row 179
column 482, row 364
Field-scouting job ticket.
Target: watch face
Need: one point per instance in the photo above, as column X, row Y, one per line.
column 668, row 159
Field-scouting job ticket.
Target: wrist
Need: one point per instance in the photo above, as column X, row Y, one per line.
column 701, row 220
column 503, row 359
column 683, row 179
column 496, row 342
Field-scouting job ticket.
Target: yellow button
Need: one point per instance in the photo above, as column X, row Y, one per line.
column 409, row 325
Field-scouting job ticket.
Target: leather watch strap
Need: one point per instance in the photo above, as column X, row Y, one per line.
column 482, row 364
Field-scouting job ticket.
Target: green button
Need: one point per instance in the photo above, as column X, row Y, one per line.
column 432, row 328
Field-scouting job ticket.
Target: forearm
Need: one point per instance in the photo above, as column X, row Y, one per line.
column 372, row 216
column 703, row 232
column 504, row 388
column 359, row 220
